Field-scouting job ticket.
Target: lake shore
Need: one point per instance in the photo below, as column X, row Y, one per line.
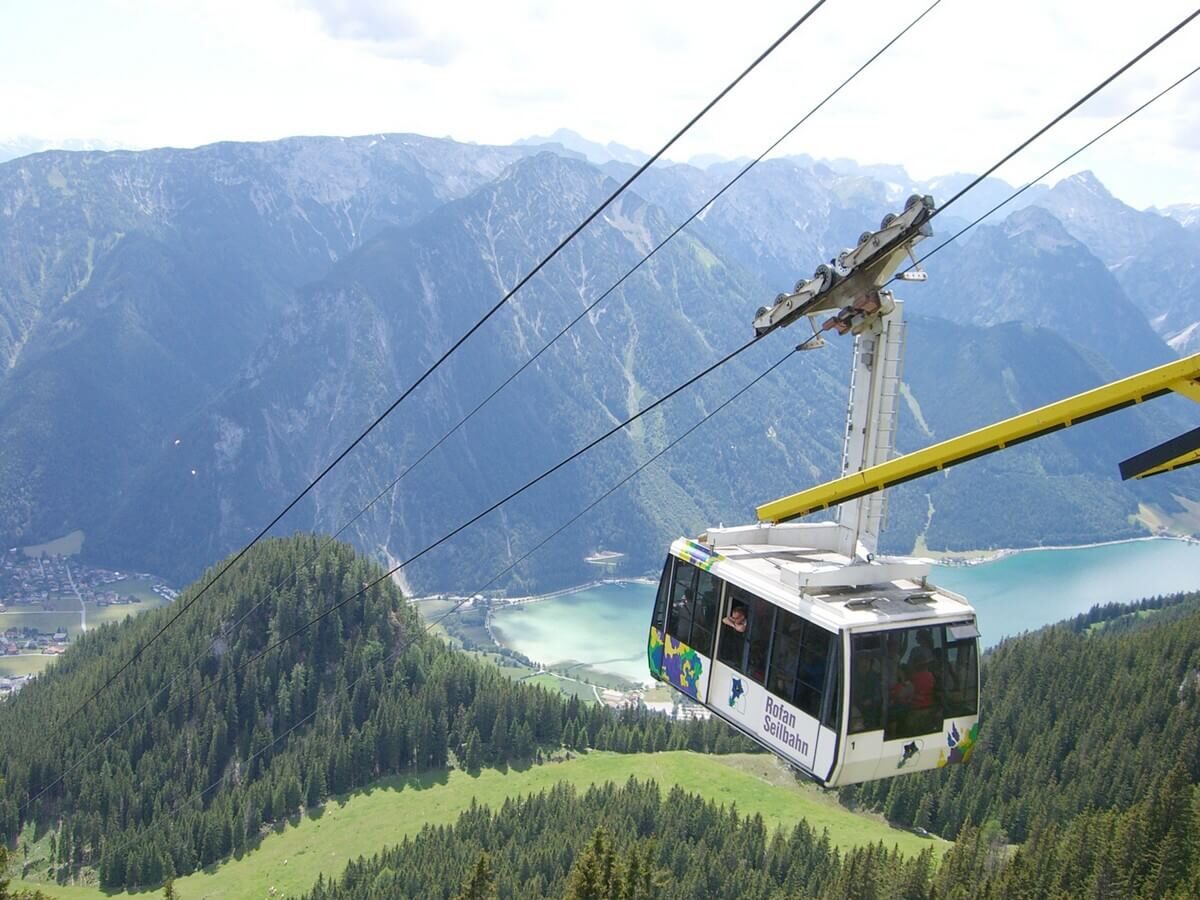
column 948, row 558
column 534, row 598
column 975, row 557
column 602, row 624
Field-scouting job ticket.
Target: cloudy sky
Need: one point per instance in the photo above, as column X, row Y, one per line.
column 958, row 92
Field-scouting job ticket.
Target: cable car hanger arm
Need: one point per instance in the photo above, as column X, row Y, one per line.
column 1182, row 377
column 856, row 272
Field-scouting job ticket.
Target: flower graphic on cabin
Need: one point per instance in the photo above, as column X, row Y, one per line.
column 960, row 746
column 737, row 694
column 654, row 653
column 910, row 750
column 683, row 666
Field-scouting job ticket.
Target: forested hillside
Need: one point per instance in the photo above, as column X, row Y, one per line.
column 235, row 743
column 1088, row 762
column 636, row 844
column 618, row 842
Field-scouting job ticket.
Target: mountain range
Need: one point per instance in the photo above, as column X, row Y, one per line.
column 188, row 337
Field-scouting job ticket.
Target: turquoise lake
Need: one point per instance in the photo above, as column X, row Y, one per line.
column 605, row 627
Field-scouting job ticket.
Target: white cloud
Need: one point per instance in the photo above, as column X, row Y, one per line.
column 963, row 87
column 384, row 28
column 1186, row 131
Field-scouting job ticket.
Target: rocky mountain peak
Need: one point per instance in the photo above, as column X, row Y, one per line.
column 1186, row 214
column 1039, row 227
column 1156, row 259
column 576, row 144
column 1087, row 182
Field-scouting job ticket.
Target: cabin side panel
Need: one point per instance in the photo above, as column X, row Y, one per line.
column 782, row 727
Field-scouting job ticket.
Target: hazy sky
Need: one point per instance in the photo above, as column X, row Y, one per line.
column 958, row 92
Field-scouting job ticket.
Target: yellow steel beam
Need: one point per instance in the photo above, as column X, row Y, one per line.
column 1168, row 456
column 1179, row 462
column 1182, row 377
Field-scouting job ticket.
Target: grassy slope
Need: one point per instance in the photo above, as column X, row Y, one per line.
column 62, row 610
column 291, row 858
column 67, row 545
column 24, row 664
column 65, row 614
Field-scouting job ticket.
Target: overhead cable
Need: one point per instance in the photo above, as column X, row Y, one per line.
column 1062, row 162
column 958, row 195
column 453, row 347
column 405, row 644
column 516, row 373
column 1070, row 109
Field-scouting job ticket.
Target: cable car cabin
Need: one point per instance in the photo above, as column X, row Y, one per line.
column 847, row 683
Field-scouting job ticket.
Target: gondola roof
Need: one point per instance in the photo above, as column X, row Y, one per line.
column 786, row 565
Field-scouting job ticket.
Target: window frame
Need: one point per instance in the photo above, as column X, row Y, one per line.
column 894, row 724
column 753, row 603
column 971, row 709
column 694, row 608
column 658, row 617
column 810, row 633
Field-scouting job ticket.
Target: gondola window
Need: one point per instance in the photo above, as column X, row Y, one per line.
column 799, row 662
column 909, row 680
column 866, row 683
column 731, row 649
column 832, row 715
column 814, row 663
column 695, row 598
column 961, row 684
column 664, row 593
column 913, row 681
column 758, row 637
column 747, row 651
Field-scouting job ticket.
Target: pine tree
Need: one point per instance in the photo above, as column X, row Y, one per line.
column 639, row 881
column 481, row 883
column 315, row 786
column 924, row 816
column 474, row 752
column 594, row 875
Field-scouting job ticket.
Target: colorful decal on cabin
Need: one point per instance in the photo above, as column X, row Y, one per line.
column 910, row 750
column 737, row 695
column 960, row 746
column 654, row 653
column 683, row 665
column 700, row 556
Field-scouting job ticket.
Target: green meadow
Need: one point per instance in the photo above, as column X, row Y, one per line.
column 67, row 545
column 62, row 610
column 290, row 858
column 24, row 664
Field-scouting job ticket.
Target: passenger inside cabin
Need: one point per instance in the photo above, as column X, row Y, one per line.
column 920, row 682
column 736, row 618
column 920, row 719
column 924, row 649
column 911, row 694
column 923, row 661
column 732, row 648
column 915, row 690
